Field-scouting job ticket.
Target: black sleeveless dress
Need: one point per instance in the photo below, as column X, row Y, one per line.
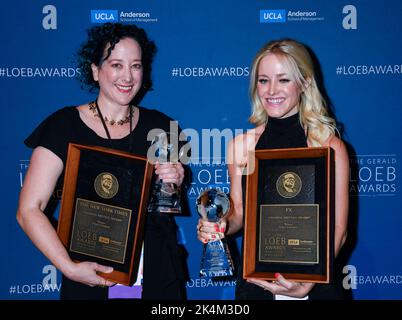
column 280, row 134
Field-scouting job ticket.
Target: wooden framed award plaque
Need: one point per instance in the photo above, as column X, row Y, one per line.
column 103, row 207
column 289, row 215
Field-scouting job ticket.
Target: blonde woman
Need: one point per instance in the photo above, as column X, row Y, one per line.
column 288, row 112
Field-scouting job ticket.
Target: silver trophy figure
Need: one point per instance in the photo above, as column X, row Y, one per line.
column 165, row 197
column 213, row 205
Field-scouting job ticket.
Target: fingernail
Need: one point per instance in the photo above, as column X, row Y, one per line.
column 216, row 228
column 223, row 230
column 277, row 275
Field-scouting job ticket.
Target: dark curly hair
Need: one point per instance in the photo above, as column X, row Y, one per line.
column 93, row 50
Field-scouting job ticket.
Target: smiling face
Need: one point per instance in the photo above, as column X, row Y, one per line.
column 277, row 88
column 120, row 75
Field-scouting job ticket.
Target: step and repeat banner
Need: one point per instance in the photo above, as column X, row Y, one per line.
column 201, row 74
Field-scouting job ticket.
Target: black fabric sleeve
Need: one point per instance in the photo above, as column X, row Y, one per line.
column 53, row 133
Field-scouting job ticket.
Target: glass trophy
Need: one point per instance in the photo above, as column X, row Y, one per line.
column 213, row 205
column 165, row 197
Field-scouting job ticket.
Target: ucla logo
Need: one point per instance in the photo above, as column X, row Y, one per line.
column 102, row 16
column 272, row 16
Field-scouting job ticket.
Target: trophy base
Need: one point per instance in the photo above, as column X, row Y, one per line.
column 166, row 210
column 216, row 261
column 165, row 198
column 165, row 206
column 216, row 273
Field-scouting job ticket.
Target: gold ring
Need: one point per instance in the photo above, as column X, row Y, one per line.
column 103, row 285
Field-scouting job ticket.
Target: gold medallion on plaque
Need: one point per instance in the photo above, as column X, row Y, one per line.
column 106, row 185
column 289, row 184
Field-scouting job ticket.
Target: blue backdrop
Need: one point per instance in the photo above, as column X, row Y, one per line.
column 201, row 73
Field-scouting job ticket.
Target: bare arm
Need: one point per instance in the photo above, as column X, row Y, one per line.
column 42, row 175
column 236, row 161
column 341, row 192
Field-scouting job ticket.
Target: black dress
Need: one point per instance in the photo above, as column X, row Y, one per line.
column 280, row 134
column 163, row 276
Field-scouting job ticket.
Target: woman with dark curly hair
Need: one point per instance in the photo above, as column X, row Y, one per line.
column 116, row 61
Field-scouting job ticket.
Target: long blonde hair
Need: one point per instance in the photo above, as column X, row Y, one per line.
column 312, row 108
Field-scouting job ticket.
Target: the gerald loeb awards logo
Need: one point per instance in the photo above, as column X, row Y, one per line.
column 289, row 185
column 106, row 185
